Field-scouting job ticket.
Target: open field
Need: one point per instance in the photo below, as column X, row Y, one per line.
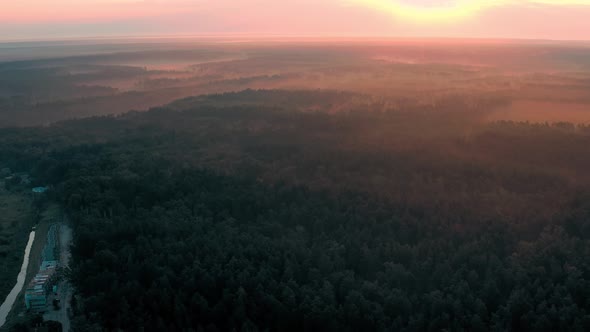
column 15, row 224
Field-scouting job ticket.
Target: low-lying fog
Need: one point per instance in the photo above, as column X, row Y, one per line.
column 528, row 82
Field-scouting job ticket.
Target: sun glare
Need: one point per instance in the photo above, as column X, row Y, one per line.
column 431, row 12
column 450, row 10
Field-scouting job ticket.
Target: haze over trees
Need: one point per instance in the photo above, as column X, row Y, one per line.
column 271, row 192
column 38, row 87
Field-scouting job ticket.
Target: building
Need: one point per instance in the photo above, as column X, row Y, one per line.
column 41, row 285
column 39, row 190
column 38, row 290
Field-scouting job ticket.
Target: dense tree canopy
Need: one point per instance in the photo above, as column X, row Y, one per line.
column 257, row 218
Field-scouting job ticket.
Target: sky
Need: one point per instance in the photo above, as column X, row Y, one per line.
column 61, row 19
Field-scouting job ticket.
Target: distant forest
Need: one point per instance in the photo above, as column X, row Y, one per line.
column 265, row 211
column 39, row 86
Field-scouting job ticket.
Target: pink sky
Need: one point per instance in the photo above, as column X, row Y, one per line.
column 541, row 19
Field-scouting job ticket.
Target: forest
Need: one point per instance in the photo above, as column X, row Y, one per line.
column 267, row 210
column 43, row 83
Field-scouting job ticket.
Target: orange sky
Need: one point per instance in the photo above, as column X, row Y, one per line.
column 541, row 19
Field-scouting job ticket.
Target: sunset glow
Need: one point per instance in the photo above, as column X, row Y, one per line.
column 553, row 19
column 440, row 11
column 295, row 165
column 430, row 12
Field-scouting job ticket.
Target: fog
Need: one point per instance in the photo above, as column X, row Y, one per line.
column 57, row 81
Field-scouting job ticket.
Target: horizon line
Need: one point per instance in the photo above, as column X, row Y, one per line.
column 245, row 37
